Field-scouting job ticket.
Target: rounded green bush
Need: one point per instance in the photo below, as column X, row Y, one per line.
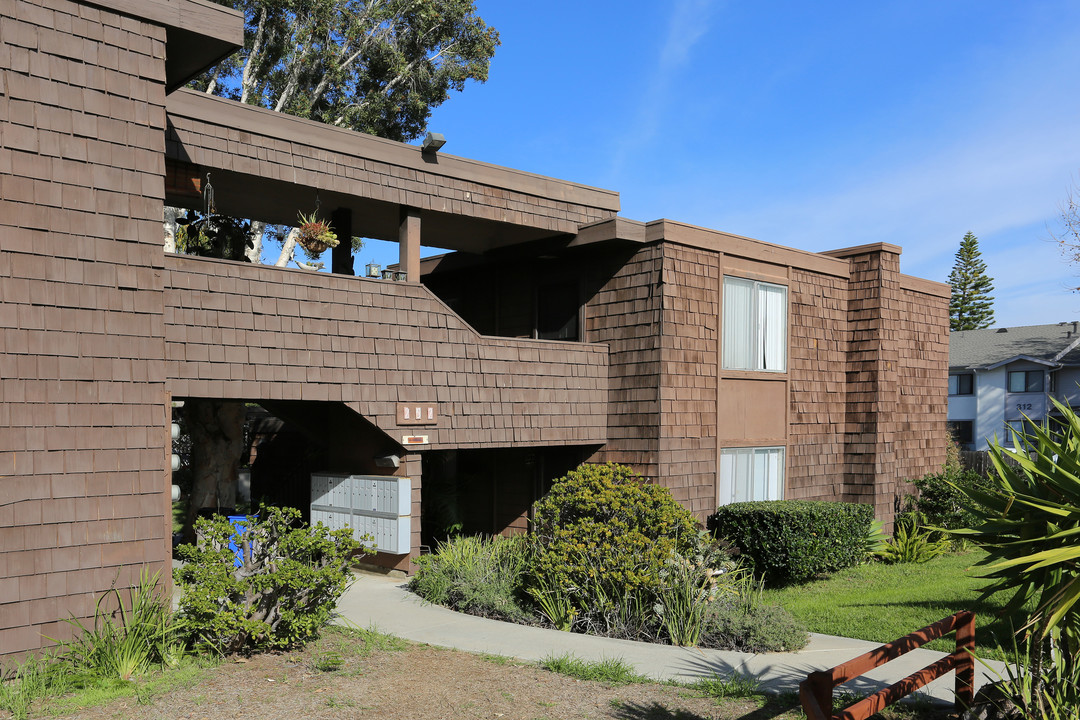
column 603, row 535
column 752, row 627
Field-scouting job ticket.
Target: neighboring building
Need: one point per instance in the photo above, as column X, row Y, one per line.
column 721, row 367
column 999, row 376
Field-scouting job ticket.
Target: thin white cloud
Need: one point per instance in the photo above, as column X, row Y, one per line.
column 688, row 23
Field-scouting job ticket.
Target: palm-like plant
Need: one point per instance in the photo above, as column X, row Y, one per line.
column 1030, row 527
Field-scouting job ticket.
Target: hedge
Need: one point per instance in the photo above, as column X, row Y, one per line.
column 791, row 541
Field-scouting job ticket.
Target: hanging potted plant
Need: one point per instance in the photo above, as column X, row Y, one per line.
column 315, row 235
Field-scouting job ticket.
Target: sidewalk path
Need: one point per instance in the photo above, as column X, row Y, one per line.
column 384, row 602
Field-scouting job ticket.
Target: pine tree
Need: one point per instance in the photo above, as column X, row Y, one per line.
column 972, row 305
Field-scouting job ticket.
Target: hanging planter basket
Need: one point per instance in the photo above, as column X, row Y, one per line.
column 315, row 235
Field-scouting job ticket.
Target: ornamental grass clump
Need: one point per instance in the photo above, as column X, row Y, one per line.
column 126, row 641
column 478, row 575
column 913, row 543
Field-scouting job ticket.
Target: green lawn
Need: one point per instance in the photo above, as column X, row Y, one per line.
column 883, row 602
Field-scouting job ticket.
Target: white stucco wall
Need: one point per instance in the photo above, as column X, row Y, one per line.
column 990, row 396
column 1067, row 386
column 962, row 407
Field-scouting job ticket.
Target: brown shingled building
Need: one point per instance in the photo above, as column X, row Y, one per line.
column 722, row 367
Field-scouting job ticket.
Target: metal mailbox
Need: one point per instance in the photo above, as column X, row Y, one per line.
column 374, row 505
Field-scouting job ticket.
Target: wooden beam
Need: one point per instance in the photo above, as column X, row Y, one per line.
column 409, row 243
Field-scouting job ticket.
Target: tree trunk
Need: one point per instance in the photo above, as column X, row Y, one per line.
column 288, row 249
column 171, row 214
column 217, row 440
column 254, row 253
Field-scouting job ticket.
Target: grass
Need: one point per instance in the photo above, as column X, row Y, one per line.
column 736, row 685
column 49, row 686
column 612, row 671
column 179, row 511
column 881, row 603
column 187, row 675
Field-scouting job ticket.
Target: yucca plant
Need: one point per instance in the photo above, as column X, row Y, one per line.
column 913, row 543
column 1030, row 528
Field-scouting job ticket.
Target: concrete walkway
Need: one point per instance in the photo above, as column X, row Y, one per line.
column 383, row 602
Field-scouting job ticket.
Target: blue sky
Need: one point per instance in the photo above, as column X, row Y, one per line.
column 813, row 125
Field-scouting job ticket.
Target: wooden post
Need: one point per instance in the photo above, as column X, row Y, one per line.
column 409, row 243
column 341, row 257
column 821, row 684
column 965, row 660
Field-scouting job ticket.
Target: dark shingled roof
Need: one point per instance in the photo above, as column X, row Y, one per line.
column 981, row 348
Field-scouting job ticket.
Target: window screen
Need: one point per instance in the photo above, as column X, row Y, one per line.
column 751, row 474
column 755, row 325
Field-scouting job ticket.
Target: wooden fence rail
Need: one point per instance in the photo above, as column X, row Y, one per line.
column 816, row 691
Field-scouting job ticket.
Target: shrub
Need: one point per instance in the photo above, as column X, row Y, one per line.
column 475, row 575
column 795, row 540
column 750, row 626
column 284, row 591
column 941, row 501
column 603, row 536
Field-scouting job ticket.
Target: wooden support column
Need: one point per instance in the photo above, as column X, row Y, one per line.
column 341, row 257
column 409, row 243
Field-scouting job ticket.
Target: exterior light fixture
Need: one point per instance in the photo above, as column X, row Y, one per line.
column 387, row 461
column 432, row 142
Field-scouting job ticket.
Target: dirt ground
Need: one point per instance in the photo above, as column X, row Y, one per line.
column 342, row 676
column 419, row 682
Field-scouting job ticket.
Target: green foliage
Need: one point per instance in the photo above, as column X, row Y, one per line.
column 749, row 625
column 283, row 593
column 875, row 542
column 28, row 682
column 942, row 502
column 971, row 306
column 481, row 576
column 1030, row 522
column 613, row 671
column 913, row 543
column 125, row 642
column 553, row 600
column 794, row 540
column 1044, row 692
column 213, row 235
column 735, row 685
column 611, row 555
column 376, row 67
column 604, row 536
column 683, row 597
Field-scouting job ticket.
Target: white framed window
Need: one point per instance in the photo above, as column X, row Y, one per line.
column 961, row 384
column 755, row 325
column 1026, row 381
column 750, row 474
